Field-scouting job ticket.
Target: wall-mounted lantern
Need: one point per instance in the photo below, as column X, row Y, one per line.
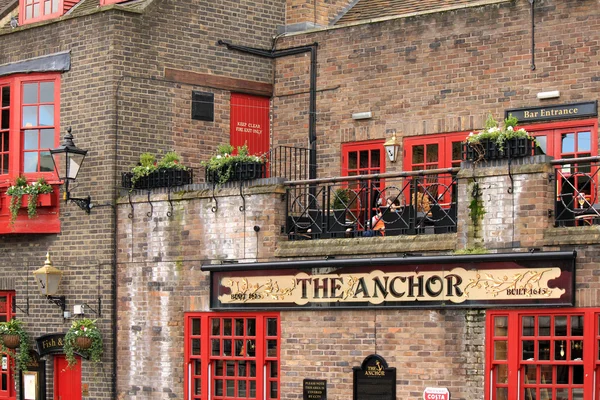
column 67, row 160
column 48, row 278
column 392, row 148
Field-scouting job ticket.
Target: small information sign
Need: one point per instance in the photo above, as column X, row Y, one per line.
column 373, row 380
column 432, row 393
column 314, row 389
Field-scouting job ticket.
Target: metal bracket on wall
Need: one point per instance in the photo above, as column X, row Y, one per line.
column 243, row 206
column 130, row 216
column 551, row 178
column 99, row 312
column 149, row 213
column 512, row 182
column 170, row 212
column 26, row 310
column 216, row 206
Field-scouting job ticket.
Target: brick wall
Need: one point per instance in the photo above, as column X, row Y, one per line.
column 434, row 73
column 321, row 13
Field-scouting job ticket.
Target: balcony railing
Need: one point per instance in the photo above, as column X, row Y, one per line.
column 577, row 202
column 291, row 163
column 406, row 203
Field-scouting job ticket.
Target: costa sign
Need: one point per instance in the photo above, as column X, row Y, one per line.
column 436, row 394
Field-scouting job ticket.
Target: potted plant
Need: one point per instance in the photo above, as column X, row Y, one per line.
column 495, row 142
column 150, row 173
column 226, row 166
column 33, row 192
column 13, row 337
column 85, row 338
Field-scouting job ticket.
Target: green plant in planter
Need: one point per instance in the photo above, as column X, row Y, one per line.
column 83, row 328
column 21, row 357
column 21, row 188
column 224, row 162
column 498, row 135
column 340, row 199
column 148, row 164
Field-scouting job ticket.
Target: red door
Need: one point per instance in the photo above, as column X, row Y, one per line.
column 7, row 383
column 67, row 381
column 250, row 123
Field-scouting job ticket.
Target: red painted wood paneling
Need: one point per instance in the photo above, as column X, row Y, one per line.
column 67, row 381
column 250, row 122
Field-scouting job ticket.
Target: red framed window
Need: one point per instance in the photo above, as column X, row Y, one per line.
column 230, row 356
column 29, row 128
column 106, row 2
column 38, row 10
column 538, row 354
column 7, row 383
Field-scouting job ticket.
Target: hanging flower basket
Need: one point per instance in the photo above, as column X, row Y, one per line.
column 11, row 341
column 83, row 343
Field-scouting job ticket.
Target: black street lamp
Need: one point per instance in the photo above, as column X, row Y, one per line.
column 67, row 160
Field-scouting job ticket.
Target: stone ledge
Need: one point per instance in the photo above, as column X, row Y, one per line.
column 572, row 235
column 367, row 246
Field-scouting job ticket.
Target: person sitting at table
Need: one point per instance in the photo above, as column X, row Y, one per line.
column 393, row 203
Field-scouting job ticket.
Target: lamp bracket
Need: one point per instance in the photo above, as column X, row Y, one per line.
column 59, row 301
column 99, row 312
column 85, row 204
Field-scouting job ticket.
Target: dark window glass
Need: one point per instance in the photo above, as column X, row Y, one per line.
column 203, row 106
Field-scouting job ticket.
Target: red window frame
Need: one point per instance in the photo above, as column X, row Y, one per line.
column 107, row 2
column 27, row 7
column 555, row 130
column 506, row 369
column 231, row 369
column 30, row 143
column 6, row 375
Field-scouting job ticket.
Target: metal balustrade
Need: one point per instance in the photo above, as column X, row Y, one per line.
column 406, row 203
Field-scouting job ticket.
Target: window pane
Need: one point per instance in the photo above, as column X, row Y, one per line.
column 568, row 143
column 219, row 368
column 47, row 92
column 216, row 347
column 46, row 7
column 542, row 146
column 578, row 374
column 239, row 327
column 364, row 159
column 562, row 394
column 46, row 163
column 30, row 138
column 197, row 367
column 418, row 154
column 544, row 326
column 577, row 325
column 546, row 374
column 219, row 387
column 46, row 115
column 500, row 350
column 432, row 153
column 560, row 326
column 271, row 348
column 227, row 327
column 197, row 386
column 273, row 394
column 241, row 368
column 577, row 350
column 36, row 10
column 530, row 374
column 528, row 349
column 502, row 394
column 562, row 374
column 502, row 373
column 577, row 394
column 30, row 162
column 6, row 96
column 30, row 93
column 271, row 326
column 352, row 163
column 28, row 12
column 230, row 388
column 528, row 326
column 375, row 159
column 584, row 141
column 241, row 388
column 5, row 117
column 251, row 348
column 196, row 326
column 252, row 389
column 216, row 326
column 544, row 350
column 273, row 369
column 54, row 6
column 456, row 150
column 230, row 368
column 227, row 347
column 5, row 164
column 195, row 347
column 251, row 329
column 30, row 116
column 560, row 352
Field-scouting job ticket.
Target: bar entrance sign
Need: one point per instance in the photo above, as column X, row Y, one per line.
column 314, row 389
column 373, row 380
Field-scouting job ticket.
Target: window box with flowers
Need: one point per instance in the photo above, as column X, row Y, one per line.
column 496, row 142
column 151, row 174
column 30, row 196
column 84, row 338
column 226, row 167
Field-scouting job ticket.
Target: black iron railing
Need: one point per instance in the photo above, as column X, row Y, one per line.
column 577, row 202
column 291, row 163
column 407, row 203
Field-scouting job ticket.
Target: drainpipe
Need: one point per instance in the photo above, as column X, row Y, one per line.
column 312, row 122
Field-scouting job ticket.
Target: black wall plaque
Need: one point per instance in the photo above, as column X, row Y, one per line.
column 314, row 389
column 373, row 380
column 554, row 112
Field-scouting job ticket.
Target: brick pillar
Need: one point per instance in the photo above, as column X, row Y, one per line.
column 515, row 211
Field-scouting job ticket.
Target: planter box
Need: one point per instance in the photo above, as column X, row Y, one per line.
column 239, row 172
column 43, row 200
column 157, row 179
column 513, row 148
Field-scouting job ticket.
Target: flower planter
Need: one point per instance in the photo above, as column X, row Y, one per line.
column 83, row 343
column 43, row 200
column 157, row 179
column 11, row 341
column 489, row 150
column 239, row 172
